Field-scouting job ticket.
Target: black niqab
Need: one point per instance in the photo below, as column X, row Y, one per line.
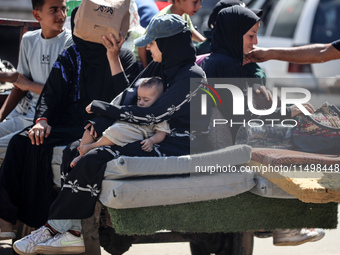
column 93, row 54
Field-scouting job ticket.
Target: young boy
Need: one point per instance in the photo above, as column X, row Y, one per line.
column 38, row 51
column 122, row 133
column 184, row 8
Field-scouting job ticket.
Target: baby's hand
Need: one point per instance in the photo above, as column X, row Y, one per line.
column 147, row 144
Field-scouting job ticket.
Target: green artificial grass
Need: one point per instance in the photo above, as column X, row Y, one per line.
column 244, row 212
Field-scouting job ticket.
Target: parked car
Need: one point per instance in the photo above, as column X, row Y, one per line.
column 288, row 23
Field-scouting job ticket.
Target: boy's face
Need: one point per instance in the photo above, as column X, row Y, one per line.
column 147, row 96
column 189, row 6
column 51, row 16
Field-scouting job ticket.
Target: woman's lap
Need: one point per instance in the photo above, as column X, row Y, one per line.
column 83, row 182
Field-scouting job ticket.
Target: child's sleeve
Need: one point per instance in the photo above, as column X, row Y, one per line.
column 187, row 18
column 23, row 65
column 163, row 127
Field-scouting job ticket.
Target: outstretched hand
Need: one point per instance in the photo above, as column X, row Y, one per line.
column 256, row 55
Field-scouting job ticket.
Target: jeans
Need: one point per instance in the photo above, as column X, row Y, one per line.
column 13, row 124
column 63, row 226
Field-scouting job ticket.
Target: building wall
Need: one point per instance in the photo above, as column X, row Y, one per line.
column 16, row 9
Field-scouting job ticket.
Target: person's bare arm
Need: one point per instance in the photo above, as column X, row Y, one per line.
column 26, row 84
column 197, row 37
column 21, row 85
column 8, row 76
column 11, row 102
column 313, row 53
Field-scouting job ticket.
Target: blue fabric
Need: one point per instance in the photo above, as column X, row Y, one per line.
column 162, row 27
column 64, row 225
column 146, row 10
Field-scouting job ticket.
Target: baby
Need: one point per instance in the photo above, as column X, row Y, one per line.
column 122, row 133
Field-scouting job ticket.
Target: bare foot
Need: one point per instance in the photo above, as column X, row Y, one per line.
column 83, row 149
column 75, row 161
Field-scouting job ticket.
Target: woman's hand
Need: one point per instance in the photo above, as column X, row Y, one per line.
column 88, row 108
column 39, row 132
column 93, row 132
column 295, row 110
column 147, row 144
column 113, row 47
column 258, row 88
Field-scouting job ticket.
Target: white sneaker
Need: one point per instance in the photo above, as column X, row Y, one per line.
column 320, row 231
column 62, row 244
column 292, row 237
column 26, row 245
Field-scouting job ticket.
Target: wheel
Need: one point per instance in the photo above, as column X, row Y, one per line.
column 224, row 244
column 112, row 242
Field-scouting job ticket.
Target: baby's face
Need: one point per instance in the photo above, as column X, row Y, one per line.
column 146, row 96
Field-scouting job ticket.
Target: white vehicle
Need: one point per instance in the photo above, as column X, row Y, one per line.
column 287, row 23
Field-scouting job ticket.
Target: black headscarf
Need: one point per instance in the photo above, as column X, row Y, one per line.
column 231, row 24
column 96, row 77
column 177, row 51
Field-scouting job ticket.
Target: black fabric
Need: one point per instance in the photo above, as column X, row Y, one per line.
column 336, row 44
column 72, row 203
column 226, row 59
column 82, row 183
column 231, row 24
column 26, row 177
column 73, row 83
column 204, row 47
column 100, row 123
column 219, row 6
column 175, row 58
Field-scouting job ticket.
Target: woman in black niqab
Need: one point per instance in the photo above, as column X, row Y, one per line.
column 176, row 69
